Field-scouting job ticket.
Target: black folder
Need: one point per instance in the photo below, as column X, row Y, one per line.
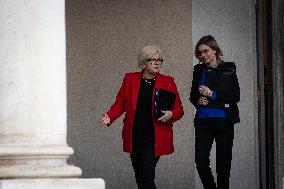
column 220, row 79
column 163, row 100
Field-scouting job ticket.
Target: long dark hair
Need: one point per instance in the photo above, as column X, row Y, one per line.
column 211, row 42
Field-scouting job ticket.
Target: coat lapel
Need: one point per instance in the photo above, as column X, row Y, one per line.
column 159, row 82
column 135, row 89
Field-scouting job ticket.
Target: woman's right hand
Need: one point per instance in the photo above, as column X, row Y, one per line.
column 203, row 101
column 105, row 120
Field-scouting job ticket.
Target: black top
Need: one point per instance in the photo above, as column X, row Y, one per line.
column 143, row 120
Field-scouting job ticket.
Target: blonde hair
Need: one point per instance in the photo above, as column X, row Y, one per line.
column 146, row 53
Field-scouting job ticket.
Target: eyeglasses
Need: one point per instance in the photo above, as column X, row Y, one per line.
column 156, row 61
column 205, row 51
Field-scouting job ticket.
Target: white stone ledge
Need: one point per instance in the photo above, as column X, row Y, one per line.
column 33, row 171
column 52, row 184
column 27, row 150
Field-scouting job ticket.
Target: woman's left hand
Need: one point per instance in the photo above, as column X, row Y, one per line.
column 168, row 115
column 204, row 90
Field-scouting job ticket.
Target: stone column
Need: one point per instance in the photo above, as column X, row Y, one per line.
column 33, row 90
column 33, row 94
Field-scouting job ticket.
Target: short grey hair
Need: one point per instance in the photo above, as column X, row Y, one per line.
column 146, row 53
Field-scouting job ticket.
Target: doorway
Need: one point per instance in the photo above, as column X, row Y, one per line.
column 264, row 94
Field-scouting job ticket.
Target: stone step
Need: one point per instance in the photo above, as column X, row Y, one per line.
column 53, row 184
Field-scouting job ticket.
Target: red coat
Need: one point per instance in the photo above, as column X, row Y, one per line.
column 126, row 101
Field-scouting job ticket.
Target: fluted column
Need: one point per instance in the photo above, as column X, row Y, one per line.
column 33, row 90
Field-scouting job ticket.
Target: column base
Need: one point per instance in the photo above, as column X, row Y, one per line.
column 52, row 183
column 27, row 171
column 36, row 161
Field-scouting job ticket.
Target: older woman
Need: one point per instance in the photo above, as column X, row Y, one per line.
column 214, row 93
column 145, row 138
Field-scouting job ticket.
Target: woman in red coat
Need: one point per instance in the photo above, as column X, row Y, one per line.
column 145, row 137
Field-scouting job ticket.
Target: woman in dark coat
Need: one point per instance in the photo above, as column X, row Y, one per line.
column 214, row 93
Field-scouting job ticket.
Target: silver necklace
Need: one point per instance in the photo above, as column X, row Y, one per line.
column 147, row 81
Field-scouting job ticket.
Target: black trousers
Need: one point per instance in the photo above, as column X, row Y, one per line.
column 144, row 161
column 206, row 130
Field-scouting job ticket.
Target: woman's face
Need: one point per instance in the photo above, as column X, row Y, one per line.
column 152, row 65
column 206, row 54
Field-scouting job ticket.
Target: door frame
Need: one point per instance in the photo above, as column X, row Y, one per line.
column 270, row 69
